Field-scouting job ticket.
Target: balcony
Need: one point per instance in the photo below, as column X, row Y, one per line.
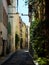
column 8, row 2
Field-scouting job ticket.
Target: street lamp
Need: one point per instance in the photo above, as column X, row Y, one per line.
column 25, row 14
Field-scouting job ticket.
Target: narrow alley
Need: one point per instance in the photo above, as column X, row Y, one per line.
column 24, row 32
column 21, row 57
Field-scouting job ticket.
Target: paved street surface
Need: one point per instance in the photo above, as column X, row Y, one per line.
column 20, row 57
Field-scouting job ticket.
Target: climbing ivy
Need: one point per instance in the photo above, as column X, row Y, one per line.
column 39, row 38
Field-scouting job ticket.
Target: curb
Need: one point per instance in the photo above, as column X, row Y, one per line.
column 36, row 63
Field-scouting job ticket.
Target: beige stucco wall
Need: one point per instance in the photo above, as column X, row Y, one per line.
column 17, row 28
column 3, row 28
column 4, row 36
column 0, row 27
column 12, row 7
column 12, row 21
column 4, row 31
column 24, row 35
column 28, row 36
column 5, row 5
column 17, row 24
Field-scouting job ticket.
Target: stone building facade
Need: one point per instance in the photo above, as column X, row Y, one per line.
column 3, row 25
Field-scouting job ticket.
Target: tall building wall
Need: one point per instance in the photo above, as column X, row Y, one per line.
column 1, row 10
column 3, row 18
column 3, row 26
column 18, row 25
column 17, row 29
column 24, row 35
column 11, row 19
column 4, row 2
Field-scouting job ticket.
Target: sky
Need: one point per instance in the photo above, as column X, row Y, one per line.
column 22, row 8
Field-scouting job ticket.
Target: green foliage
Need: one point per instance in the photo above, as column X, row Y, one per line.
column 26, row 2
column 39, row 38
column 32, row 1
column 9, row 28
column 32, row 29
column 32, row 32
column 42, row 61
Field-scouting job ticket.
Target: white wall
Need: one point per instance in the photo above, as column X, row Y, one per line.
column 3, row 28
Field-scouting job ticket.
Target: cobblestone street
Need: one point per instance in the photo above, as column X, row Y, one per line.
column 20, row 57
